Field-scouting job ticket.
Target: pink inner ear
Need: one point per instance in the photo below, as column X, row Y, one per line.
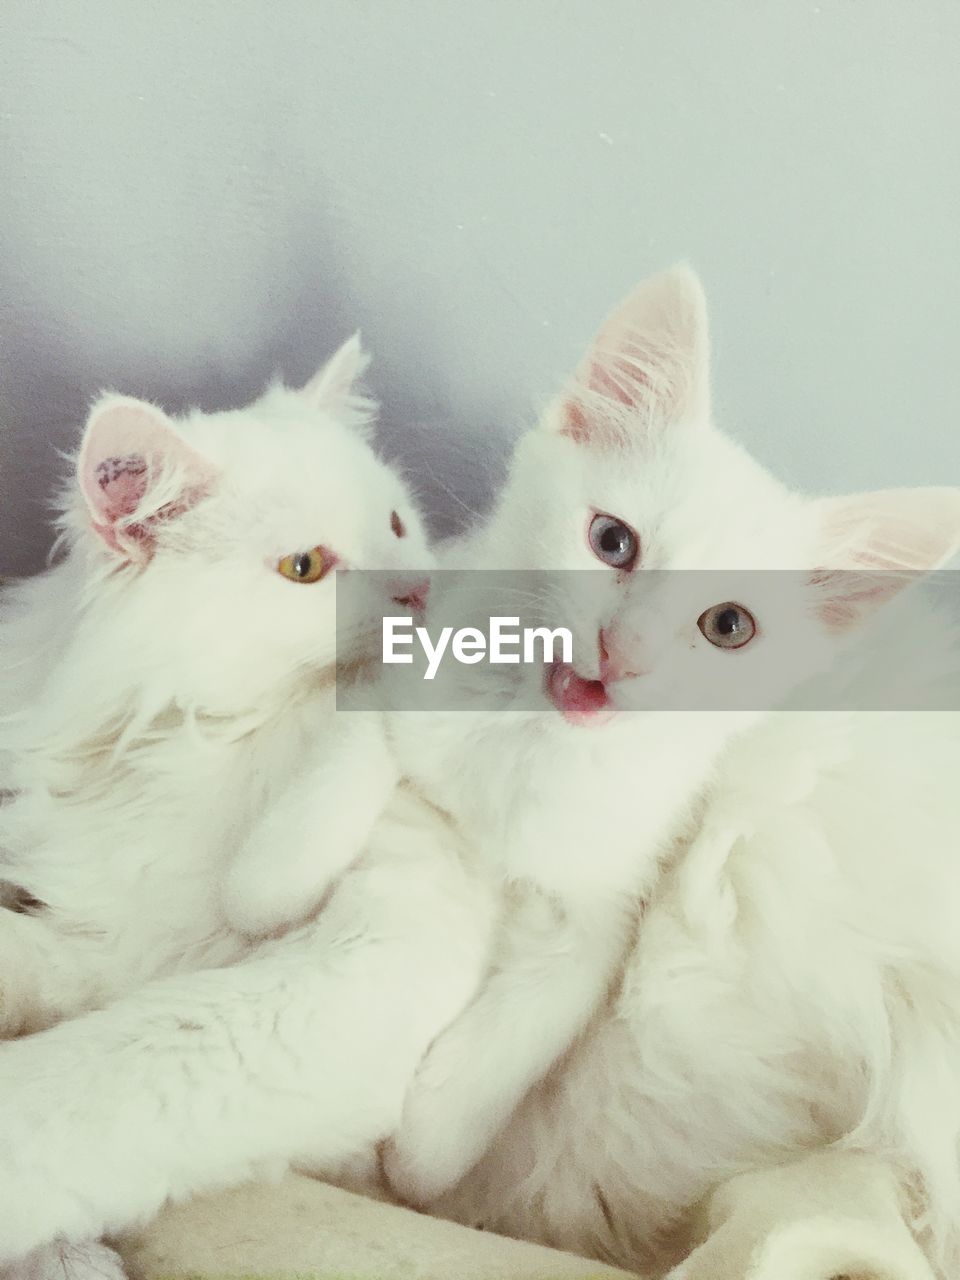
column 122, row 483
column 651, row 357
column 621, row 379
column 638, row 377
column 879, row 543
column 126, row 441
column 846, row 597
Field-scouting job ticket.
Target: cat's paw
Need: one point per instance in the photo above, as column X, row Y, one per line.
column 262, row 895
column 88, row 1260
column 817, row 1248
column 441, row 1134
column 407, row 1177
column 246, row 897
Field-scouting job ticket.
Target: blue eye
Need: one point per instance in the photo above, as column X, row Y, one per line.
column 728, row 625
column 613, row 542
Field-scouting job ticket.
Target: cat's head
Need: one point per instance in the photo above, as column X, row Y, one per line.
column 211, row 543
column 627, row 474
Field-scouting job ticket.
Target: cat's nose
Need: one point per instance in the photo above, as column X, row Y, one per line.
column 616, row 663
column 412, row 595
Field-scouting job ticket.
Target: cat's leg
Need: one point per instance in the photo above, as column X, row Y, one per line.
column 553, row 971
column 829, row 1215
column 62, row 1260
column 301, row 1053
column 314, row 830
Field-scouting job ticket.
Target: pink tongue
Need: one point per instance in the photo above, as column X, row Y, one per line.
column 576, row 698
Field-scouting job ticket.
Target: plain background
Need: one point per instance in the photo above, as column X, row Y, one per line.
column 196, row 193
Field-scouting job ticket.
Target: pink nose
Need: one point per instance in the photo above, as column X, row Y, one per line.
column 615, row 662
column 413, row 595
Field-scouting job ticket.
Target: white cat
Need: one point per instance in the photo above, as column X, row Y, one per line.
column 590, row 814
column 795, row 976
column 175, row 673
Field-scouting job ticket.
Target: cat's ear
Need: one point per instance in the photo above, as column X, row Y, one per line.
column 875, row 544
column 648, row 367
column 136, row 471
column 335, row 387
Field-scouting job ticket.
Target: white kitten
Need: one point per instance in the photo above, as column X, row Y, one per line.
column 174, row 675
column 794, row 981
column 172, row 687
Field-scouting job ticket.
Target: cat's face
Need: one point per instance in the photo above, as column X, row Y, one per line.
column 706, row 586
column 217, row 539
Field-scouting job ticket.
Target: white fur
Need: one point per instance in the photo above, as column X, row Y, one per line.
column 828, row 1214
column 163, row 684
column 587, row 816
column 795, row 973
column 794, row 977
column 301, row 1052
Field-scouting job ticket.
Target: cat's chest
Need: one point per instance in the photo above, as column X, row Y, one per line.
column 153, row 844
column 549, row 806
column 504, row 792
column 227, row 786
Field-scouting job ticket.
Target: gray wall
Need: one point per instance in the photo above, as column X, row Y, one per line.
column 196, row 192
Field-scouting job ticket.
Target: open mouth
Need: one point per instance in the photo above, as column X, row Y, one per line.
column 579, row 701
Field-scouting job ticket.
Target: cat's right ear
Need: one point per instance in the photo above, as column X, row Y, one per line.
column 335, row 387
column 648, row 367
column 135, row 470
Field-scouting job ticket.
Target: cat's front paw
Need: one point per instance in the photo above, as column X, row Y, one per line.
column 418, row 1163
column 410, row 1179
column 246, row 898
column 441, row 1136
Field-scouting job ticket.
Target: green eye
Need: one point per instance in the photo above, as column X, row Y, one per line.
column 304, row 566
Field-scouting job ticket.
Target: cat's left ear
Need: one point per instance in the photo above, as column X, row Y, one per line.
column 335, row 387
column 875, row 544
column 648, row 368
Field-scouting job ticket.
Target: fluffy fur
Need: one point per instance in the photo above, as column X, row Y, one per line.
column 789, row 879
column 632, row 437
column 164, row 684
column 794, row 976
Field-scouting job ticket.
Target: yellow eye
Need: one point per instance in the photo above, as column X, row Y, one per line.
column 305, row 566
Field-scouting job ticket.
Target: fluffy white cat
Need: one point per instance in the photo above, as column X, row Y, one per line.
column 794, row 980
column 175, row 673
column 728, row 1045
